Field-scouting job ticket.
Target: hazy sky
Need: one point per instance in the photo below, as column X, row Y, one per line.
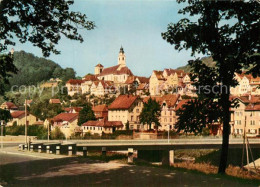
column 136, row 25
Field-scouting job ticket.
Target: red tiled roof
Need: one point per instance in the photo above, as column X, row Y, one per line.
column 124, row 70
column 75, row 81
column 123, row 102
column 130, row 80
column 114, row 70
column 100, row 108
column 247, row 99
column 99, row 65
column 66, row 117
column 90, row 77
column 143, row 79
column 254, row 107
column 17, row 114
column 170, row 99
column 159, row 75
column 181, row 103
column 55, row 101
column 103, row 123
column 110, row 70
column 10, row 105
column 143, row 86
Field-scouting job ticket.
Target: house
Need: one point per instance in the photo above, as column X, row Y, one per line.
column 67, row 122
column 245, row 117
column 117, row 74
column 126, row 108
column 167, row 81
column 140, row 84
column 101, row 88
column 100, row 111
column 102, row 126
column 156, row 83
column 74, row 86
column 168, row 113
column 54, row 101
column 19, row 118
column 9, row 106
column 87, row 82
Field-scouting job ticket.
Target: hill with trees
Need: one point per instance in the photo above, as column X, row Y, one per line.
column 33, row 70
column 206, row 60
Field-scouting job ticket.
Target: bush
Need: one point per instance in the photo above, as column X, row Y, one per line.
column 32, row 130
column 56, row 134
column 205, row 131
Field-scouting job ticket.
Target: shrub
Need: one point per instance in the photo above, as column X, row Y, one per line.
column 32, row 130
column 56, row 134
column 205, row 131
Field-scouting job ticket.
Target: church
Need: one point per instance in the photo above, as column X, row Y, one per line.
column 118, row 74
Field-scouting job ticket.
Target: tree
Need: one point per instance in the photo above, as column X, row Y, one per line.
column 5, row 115
column 44, row 110
column 56, row 134
column 228, row 31
column 151, row 113
column 7, row 68
column 42, row 23
column 86, row 114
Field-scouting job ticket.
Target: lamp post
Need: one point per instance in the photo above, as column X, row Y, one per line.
column 168, row 133
column 2, row 124
column 26, row 121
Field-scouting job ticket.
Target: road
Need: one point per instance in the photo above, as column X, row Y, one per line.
column 16, row 170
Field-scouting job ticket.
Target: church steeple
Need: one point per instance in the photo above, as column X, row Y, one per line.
column 121, row 57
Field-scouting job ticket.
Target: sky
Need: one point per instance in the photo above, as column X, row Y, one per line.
column 135, row 24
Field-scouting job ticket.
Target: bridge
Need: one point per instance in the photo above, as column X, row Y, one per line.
column 163, row 147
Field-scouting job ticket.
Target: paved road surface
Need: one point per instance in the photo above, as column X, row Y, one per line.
column 16, row 170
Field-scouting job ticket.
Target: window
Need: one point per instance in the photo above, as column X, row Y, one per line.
column 165, row 112
column 170, row 119
column 165, row 119
column 93, row 128
column 252, row 122
column 137, row 110
column 90, row 128
column 132, row 118
column 170, row 112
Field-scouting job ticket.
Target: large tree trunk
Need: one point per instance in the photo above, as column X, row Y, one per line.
column 225, row 103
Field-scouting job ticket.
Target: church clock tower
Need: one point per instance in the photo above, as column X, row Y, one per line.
column 121, row 57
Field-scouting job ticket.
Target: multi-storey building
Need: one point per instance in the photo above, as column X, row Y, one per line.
column 245, row 117
column 126, row 108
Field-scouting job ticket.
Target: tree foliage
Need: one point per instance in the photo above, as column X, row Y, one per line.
column 33, row 70
column 151, row 113
column 42, row 23
column 7, row 69
column 56, row 134
column 228, row 31
column 86, row 114
column 44, row 110
column 5, row 115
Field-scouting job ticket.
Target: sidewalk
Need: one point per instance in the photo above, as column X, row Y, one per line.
column 16, row 151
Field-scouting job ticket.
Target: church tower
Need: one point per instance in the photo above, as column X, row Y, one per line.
column 98, row 69
column 121, row 57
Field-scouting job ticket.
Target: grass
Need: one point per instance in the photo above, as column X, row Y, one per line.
column 202, row 166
